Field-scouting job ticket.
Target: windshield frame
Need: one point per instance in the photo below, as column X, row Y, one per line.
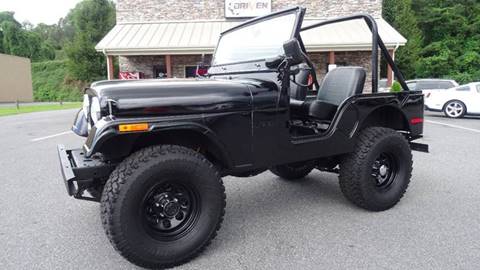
column 298, row 11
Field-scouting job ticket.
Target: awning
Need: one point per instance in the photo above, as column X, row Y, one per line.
column 199, row 37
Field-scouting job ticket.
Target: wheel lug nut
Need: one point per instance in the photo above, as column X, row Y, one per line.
column 166, row 223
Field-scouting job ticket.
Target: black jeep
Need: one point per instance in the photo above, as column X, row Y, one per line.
column 156, row 150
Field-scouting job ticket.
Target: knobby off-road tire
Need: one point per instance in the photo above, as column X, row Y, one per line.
column 152, row 186
column 293, row 171
column 376, row 175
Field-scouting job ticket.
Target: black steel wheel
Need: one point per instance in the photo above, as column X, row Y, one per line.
column 170, row 209
column 162, row 206
column 376, row 175
column 384, row 170
column 293, row 171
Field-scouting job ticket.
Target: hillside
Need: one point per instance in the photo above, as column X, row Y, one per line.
column 51, row 83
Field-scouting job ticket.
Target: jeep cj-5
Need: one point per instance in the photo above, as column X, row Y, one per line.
column 156, row 150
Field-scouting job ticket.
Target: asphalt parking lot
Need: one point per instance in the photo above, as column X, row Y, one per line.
column 269, row 223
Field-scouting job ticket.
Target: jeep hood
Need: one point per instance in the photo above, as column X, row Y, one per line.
column 174, row 96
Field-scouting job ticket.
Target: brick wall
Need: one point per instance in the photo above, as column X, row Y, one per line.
column 157, row 10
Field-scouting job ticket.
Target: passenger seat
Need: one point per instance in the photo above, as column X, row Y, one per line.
column 338, row 85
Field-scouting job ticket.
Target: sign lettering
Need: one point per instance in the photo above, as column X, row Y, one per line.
column 247, row 8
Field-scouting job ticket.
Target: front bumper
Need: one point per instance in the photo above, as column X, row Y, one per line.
column 80, row 173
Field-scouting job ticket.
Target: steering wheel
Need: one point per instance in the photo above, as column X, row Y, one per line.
column 312, row 74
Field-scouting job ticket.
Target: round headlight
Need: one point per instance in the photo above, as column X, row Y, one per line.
column 95, row 111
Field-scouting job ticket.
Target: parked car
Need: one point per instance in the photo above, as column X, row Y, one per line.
column 156, row 150
column 455, row 102
column 427, row 85
column 382, row 86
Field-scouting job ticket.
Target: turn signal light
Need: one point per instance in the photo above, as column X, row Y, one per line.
column 133, row 127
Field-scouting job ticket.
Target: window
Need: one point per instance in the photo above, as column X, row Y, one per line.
column 194, row 71
column 463, row 88
column 445, row 85
column 412, row 86
column 478, row 88
column 428, row 85
column 259, row 40
column 159, row 71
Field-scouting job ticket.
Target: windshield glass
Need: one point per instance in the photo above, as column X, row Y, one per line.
column 257, row 41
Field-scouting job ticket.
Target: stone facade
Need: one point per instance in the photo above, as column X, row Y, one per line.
column 161, row 10
column 361, row 59
column 179, row 62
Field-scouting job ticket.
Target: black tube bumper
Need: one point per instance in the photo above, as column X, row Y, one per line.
column 80, row 173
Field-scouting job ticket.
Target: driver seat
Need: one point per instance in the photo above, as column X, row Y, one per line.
column 338, row 85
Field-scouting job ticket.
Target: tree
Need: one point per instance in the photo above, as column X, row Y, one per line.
column 11, row 37
column 6, row 16
column 451, row 32
column 399, row 13
column 91, row 19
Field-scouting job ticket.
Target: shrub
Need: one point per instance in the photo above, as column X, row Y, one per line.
column 51, row 84
column 396, row 87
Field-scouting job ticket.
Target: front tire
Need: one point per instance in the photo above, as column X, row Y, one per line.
column 293, row 171
column 376, row 175
column 162, row 206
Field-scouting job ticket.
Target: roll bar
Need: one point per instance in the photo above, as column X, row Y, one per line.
column 376, row 43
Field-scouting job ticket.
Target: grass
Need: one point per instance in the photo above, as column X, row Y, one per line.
column 38, row 108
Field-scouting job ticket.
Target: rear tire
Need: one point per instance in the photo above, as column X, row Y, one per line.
column 162, row 206
column 376, row 175
column 293, row 171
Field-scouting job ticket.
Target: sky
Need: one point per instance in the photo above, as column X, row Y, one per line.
column 38, row 11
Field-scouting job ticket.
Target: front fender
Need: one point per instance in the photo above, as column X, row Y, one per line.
column 107, row 131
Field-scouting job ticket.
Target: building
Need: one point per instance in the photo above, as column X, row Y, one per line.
column 169, row 38
column 15, row 79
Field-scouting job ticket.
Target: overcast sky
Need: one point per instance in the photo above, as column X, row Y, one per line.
column 38, row 11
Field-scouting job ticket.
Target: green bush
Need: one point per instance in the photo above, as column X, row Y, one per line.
column 50, row 82
column 396, row 87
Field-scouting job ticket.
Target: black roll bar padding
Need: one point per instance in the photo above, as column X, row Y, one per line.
column 376, row 42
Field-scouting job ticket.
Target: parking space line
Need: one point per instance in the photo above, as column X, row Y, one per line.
column 453, row 126
column 51, row 136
